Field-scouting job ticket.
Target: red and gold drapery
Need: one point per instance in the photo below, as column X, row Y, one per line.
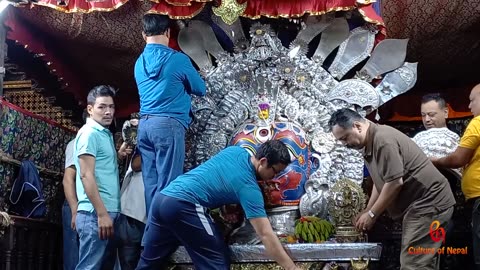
column 178, row 9
column 187, row 9
column 82, row 6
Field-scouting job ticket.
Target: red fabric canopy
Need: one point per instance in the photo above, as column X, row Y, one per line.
column 82, row 6
column 185, row 9
column 177, row 12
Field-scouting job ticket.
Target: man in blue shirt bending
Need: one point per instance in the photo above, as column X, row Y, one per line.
column 178, row 214
column 165, row 80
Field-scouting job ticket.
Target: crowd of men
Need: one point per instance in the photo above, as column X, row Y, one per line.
column 138, row 222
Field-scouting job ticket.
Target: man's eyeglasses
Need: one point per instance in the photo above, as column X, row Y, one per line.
column 275, row 171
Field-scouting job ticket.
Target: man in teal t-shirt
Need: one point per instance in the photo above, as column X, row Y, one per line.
column 178, row 212
column 97, row 182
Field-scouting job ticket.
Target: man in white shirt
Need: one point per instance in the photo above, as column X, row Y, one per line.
column 69, row 210
column 133, row 214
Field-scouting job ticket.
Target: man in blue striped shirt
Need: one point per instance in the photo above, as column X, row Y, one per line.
column 179, row 216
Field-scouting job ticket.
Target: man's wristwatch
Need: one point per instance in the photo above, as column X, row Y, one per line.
column 371, row 214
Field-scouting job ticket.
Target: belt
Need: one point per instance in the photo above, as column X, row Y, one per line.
column 146, row 116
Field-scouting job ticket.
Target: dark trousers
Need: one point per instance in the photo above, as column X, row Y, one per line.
column 70, row 240
column 130, row 233
column 475, row 204
column 416, row 234
column 173, row 222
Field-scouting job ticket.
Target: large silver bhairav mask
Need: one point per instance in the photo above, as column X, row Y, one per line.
column 264, row 90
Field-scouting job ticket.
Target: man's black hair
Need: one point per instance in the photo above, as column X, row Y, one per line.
column 100, row 91
column 155, row 24
column 344, row 118
column 275, row 151
column 437, row 97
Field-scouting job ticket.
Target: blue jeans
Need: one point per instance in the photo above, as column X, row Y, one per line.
column 161, row 142
column 130, row 233
column 94, row 253
column 70, row 239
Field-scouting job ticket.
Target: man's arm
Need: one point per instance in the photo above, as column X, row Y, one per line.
column 192, row 80
column 391, row 170
column 272, row 245
column 386, row 197
column 70, row 189
column 124, row 151
column 388, row 194
column 373, row 197
column 137, row 163
column 371, row 202
column 68, row 182
column 87, row 175
column 457, row 159
column 469, row 142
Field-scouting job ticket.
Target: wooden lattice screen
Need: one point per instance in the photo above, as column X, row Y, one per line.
column 22, row 94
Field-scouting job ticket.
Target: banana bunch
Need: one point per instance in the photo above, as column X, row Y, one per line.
column 313, row 229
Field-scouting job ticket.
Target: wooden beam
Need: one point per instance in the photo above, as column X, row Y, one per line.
column 41, row 170
column 19, row 86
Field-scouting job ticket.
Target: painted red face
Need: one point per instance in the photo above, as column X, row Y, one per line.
column 281, row 186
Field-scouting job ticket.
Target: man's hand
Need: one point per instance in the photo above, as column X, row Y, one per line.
column 461, row 157
column 105, row 226
column 272, row 244
column 74, row 217
column 203, row 74
column 364, row 222
column 124, row 150
column 355, row 219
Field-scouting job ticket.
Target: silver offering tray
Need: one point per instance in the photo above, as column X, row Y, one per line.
column 298, row 252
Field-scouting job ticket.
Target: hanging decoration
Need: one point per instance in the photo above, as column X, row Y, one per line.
column 230, row 10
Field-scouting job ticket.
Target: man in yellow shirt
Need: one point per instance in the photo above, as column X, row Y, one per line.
column 468, row 153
